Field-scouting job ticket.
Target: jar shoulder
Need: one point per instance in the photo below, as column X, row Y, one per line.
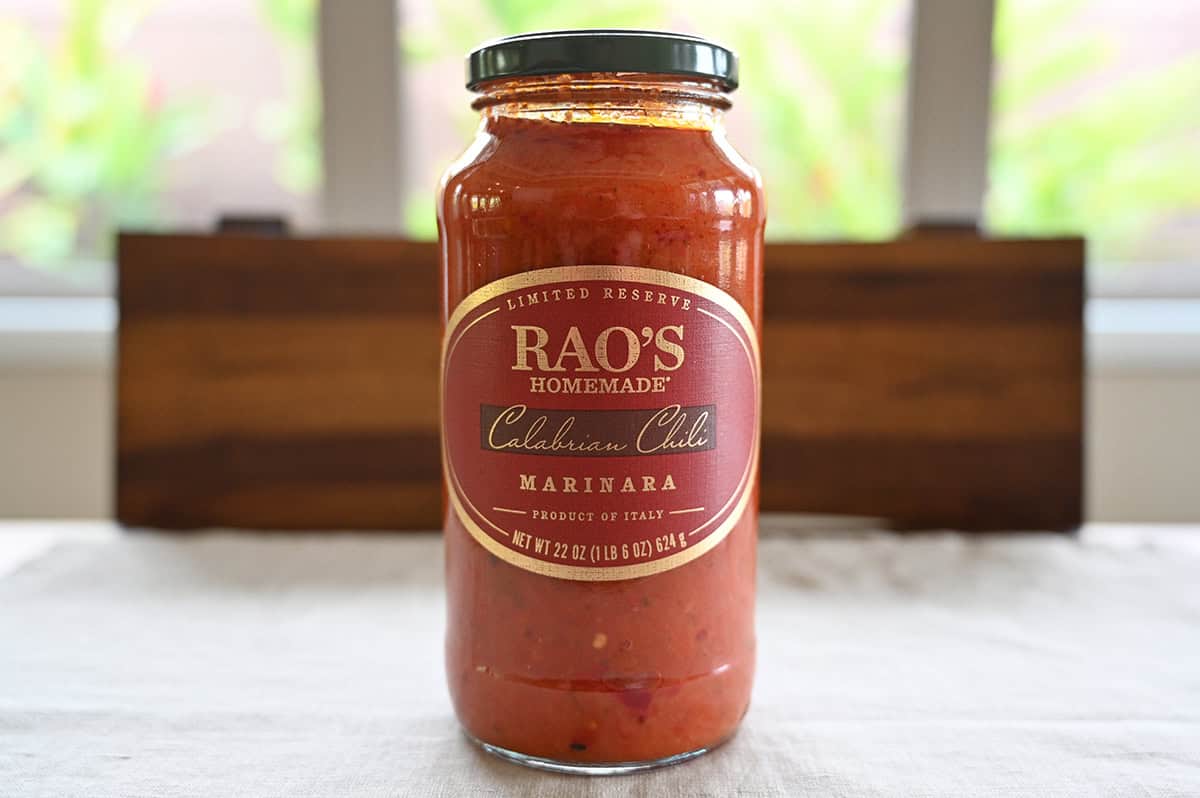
column 655, row 167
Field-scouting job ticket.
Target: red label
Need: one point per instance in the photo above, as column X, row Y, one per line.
column 599, row 422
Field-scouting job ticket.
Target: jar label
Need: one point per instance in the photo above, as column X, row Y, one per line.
column 600, row 422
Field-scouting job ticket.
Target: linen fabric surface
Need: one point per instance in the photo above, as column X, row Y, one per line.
column 237, row 664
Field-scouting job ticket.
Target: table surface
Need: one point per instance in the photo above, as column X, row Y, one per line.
column 239, row 664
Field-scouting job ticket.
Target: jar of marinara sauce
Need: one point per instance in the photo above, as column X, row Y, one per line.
column 601, row 249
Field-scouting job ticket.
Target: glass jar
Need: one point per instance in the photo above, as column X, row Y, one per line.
column 601, row 251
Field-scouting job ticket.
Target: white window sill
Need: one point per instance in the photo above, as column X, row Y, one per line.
column 1124, row 336
column 1131, row 336
column 57, row 333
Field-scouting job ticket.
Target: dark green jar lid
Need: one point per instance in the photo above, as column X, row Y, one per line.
column 572, row 51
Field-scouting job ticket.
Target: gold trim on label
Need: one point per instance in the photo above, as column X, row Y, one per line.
column 634, row 274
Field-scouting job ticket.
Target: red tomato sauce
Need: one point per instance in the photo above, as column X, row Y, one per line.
column 616, row 671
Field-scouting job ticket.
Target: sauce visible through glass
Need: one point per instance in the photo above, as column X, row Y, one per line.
column 619, row 671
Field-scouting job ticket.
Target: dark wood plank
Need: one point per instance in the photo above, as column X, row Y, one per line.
column 915, row 483
column 238, row 276
column 277, row 383
column 936, row 381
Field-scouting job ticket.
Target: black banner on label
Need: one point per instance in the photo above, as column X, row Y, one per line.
column 672, row 429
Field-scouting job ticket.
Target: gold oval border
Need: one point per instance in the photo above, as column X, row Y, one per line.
column 561, row 274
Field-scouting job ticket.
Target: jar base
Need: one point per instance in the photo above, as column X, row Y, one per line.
column 586, row 768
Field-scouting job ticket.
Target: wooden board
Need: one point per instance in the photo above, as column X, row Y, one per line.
column 291, row 383
column 277, row 383
column 936, row 381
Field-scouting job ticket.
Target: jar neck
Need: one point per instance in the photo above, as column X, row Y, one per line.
column 656, row 100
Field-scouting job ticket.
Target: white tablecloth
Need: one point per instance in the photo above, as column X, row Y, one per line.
column 310, row 665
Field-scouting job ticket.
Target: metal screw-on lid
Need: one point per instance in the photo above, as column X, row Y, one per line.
column 573, row 51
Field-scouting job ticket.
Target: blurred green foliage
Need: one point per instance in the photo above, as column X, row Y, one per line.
column 1077, row 150
column 295, row 119
column 84, row 135
column 825, row 101
column 87, row 134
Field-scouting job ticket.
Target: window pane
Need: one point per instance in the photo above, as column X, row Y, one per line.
column 147, row 113
column 818, row 112
column 1097, row 131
